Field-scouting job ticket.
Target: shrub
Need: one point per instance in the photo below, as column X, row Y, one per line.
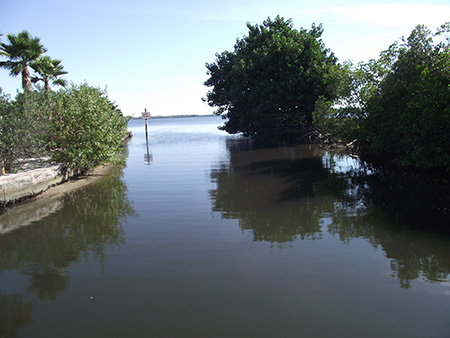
column 23, row 127
column 409, row 116
column 87, row 129
column 79, row 127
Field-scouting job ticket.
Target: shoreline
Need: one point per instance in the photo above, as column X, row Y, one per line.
column 62, row 186
column 45, row 181
column 34, row 208
column 73, row 184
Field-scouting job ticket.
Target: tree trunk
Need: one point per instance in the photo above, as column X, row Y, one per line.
column 26, row 81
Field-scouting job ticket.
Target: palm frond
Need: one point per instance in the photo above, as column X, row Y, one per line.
column 49, row 70
column 21, row 50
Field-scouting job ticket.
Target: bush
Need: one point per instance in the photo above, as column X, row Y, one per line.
column 78, row 127
column 23, row 127
column 87, row 129
column 397, row 107
column 268, row 86
column 409, row 116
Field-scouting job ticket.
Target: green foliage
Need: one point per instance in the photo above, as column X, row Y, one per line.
column 79, row 127
column 23, row 127
column 24, row 51
column 48, row 70
column 20, row 51
column 344, row 116
column 87, row 129
column 339, row 118
column 408, row 117
column 268, row 86
column 339, row 123
column 397, row 107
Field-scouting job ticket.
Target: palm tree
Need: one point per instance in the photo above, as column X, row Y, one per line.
column 21, row 50
column 47, row 70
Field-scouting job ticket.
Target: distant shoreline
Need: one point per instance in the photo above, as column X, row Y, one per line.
column 171, row 116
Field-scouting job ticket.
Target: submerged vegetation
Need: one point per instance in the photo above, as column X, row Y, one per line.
column 77, row 125
column 282, row 84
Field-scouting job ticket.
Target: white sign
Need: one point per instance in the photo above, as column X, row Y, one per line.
column 145, row 115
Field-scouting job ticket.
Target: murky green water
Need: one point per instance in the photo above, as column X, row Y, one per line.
column 204, row 235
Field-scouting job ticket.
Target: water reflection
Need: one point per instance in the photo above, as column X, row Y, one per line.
column 148, row 156
column 86, row 227
column 15, row 312
column 273, row 192
column 401, row 216
column 296, row 193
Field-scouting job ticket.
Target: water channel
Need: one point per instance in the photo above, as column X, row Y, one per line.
column 203, row 234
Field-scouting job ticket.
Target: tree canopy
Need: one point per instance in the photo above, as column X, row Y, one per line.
column 267, row 88
column 396, row 108
column 20, row 51
column 409, row 115
column 79, row 126
column 48, row 70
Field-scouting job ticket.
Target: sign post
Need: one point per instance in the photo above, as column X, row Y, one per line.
column 146, row 115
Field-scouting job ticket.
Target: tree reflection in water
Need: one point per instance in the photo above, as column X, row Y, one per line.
column 87, row 226
column 295, row 193
column 403, row 217
column 15, row 312
column 271, row 192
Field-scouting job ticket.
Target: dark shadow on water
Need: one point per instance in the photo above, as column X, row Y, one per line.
column 15, row 312
column 286, row 194
column 86, row 226
column 253, row 185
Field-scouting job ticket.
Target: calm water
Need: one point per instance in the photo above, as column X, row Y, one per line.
column 202, row 234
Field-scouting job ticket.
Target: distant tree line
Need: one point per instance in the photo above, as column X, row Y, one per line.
column 282, row 84
column 76, row 125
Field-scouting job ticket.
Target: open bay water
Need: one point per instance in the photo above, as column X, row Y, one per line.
column 203, row 234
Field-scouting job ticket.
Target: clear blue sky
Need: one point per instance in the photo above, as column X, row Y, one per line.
column 152, row 54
